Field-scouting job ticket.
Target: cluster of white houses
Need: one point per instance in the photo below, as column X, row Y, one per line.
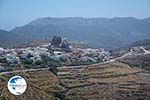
column 75, row 55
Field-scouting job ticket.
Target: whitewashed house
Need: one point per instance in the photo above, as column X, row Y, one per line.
column 12, row 59
column 2, row 50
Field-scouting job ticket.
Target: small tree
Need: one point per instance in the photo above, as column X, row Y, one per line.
column 53, row 69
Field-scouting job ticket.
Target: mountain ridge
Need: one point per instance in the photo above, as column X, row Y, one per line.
column 112, row 32
column 107, row 33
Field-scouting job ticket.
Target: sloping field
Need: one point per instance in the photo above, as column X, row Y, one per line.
column 113, row 81
column 41, row 86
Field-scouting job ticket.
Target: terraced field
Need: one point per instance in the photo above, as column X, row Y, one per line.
column 113, row 81
column 41, row 86
column 109, row 81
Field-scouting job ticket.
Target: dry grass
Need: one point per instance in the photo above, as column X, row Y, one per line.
column 41, row 85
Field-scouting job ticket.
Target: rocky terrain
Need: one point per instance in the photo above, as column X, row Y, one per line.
column 138, row 54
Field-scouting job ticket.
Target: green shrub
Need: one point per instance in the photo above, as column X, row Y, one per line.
column 53, row 69
column 28, row 62
column 38, row 62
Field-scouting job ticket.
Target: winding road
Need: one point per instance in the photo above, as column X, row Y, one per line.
column 83, row 66
column 146, row 51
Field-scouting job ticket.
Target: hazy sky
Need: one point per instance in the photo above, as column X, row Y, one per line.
column 19, row 12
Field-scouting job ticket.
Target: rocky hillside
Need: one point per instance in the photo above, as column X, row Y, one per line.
column 138, row 54
column 139, row 58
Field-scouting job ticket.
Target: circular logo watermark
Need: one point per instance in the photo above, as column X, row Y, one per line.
column 17, row 85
